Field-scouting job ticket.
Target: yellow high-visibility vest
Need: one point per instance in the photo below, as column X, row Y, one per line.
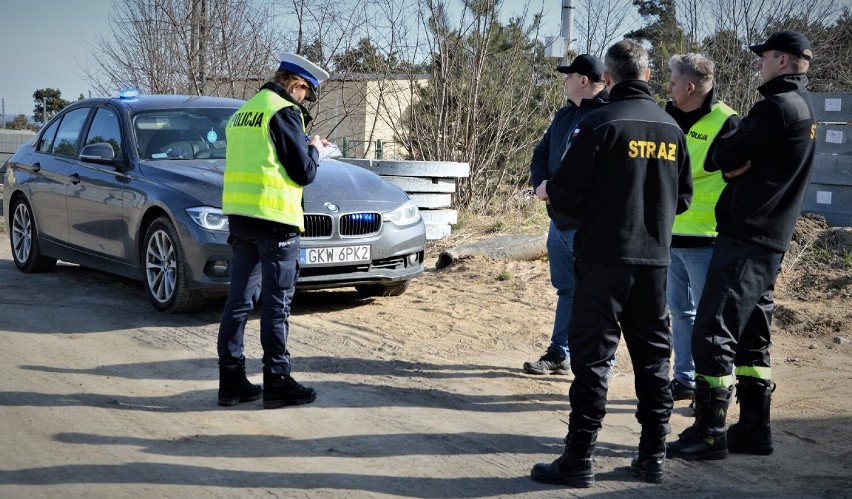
column 700, row 218
column 256, row 183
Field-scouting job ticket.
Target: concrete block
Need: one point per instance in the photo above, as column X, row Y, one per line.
column 834, row 202
column 431, row 200
column 834, row 139
column 443, row 169
column 440, row 216
column 422, row 184
column 832, row 106
column 437, row 231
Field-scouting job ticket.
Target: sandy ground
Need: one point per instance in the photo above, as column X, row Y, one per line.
column 419, row 396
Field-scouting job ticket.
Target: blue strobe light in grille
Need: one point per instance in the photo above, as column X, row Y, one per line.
column 360, row 224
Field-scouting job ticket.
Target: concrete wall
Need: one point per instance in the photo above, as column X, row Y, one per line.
column 830, row 190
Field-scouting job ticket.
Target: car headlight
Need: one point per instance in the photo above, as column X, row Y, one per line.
column 406, row 214
column 209, row 218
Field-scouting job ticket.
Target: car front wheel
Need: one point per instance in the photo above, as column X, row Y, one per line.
column 166, row 270
column 24, row 239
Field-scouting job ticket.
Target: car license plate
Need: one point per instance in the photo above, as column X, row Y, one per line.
column 338, row 254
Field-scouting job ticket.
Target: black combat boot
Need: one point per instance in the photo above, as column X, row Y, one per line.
column 282, row 389
column 752, row 434
column 234, row 387
column 706, row 439
column 573, row 467
column 650, row 463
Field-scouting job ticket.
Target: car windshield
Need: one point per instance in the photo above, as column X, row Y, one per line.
column 181, row 133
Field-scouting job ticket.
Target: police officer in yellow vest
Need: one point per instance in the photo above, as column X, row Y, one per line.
column 702, row 118
column 268, row 161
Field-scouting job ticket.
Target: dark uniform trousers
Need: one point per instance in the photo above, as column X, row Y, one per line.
column 609, row 300
column 732, row 322
column 268, row 266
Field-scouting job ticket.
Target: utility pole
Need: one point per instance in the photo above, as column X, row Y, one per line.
column 567, row 28
column 198, row 46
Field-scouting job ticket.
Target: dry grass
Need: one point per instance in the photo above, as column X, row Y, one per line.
column 514, row 216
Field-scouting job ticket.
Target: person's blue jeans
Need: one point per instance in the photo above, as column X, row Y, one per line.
column 686, row 276
column 270, row 265
column 560, row 252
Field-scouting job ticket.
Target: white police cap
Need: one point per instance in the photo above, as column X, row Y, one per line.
column 298, row 65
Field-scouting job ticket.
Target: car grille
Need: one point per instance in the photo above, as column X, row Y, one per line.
column 317, row 226
column 360, row 224
column 349, row 225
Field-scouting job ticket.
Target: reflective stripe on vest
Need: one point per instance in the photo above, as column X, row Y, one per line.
column 700, row 218
column 256, row 183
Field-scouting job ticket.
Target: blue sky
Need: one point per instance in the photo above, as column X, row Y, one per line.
column 47, row 42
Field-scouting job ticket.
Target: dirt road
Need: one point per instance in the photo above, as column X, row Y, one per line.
column 419, row 396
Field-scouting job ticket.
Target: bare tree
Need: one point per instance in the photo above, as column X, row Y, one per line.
column 491, row 94
column 724, row 29
column 600, row 23
column 330, row 32
column 470, row 87
column 184, row 46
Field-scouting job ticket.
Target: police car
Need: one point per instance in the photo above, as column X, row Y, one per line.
column 132, row 185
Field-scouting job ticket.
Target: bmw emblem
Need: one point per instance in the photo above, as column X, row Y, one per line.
column 331, row 207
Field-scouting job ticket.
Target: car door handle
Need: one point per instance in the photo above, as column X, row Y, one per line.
column 75, row 178
column 36, row 167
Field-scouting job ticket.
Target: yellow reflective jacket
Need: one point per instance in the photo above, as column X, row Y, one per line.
column 256, row 184
column 700, row 218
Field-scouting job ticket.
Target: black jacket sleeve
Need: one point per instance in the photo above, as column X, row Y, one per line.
column 570, row 184
column 540, row 158
column 764, row 122
column 731, row 123
column 300, row 160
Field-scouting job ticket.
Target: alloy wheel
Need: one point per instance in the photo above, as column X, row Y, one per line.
column 22, row 232
column 161, row 266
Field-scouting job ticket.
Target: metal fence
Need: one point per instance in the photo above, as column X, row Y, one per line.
column 10, row 140
column 366, row 149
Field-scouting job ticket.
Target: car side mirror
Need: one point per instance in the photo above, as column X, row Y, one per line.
column 100, row 152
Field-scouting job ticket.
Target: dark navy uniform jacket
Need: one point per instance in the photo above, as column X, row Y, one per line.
column 548, row 153
column 778, row 137
column 626, row 175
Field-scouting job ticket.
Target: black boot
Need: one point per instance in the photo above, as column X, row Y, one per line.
column 573, row 467
column 650, row 463
column 282, row 389
column 706, row 439
column 234, row 387
column 752, row 434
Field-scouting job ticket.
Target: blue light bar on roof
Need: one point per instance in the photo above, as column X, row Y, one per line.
column 128, row 93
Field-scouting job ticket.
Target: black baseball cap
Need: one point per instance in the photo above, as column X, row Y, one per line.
column 586, row 65
column 791, row 42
